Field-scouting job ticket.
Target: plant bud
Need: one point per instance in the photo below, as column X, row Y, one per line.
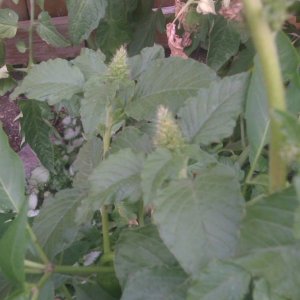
column 118, row 68
column 168, row 135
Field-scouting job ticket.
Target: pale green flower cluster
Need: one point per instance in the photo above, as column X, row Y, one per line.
column 118, row 68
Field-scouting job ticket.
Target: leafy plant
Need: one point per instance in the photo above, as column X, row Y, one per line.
column 169, row 199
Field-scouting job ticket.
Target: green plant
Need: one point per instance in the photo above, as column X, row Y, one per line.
column 168, row 153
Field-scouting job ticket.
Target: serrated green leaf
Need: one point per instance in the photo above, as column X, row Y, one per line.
column 207, row 211
column 88, row 158
column 52, row 81
column 158, row 86
column 55, row 225
column 131, row 137
column 8, row 23
column 117, row 178
column 12, row 177
column 140, row 248
column 37, row 132
column 91, row 63
column 220, row 281
column 49, row 33
column 140, row 63
column 224, row 43
column 211, row 115
column 158, row 283
column 13, row 245
column 98, row 93
column 84, row 17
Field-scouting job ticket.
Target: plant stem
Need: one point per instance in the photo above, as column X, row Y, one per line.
column 38, row 248
column 141, row 213
column 34, row 265
column 103, row 210
column 264, row 40
column 81, row 270
column 30, row 36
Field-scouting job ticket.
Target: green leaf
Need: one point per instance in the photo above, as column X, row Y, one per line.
column 261, row 290
column 13, row 245
column 55, row 225
column 158, row 86
column 211, row 116
column 224, row 42
column 117, row 178
column 52, row 81
column 84, row 17
column 98, row 93
column 5, row 221
column 160, row 166
column 140, row 63
column 91, row 63
column 157, row 283
column 220, row 281
column 88, row 158
column 49, row 33
column 131, row 137
column 7, row 85
column 140, row 248
column 12, row 178
column 37, row 132
column 8, row 23
column 5, row 286
column 47, row 292
column 199, row 219
column 2, row 54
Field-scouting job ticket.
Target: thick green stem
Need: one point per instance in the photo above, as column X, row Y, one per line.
column 264, row 40
column 81, row 270
column 104, row 211
column 30, row 36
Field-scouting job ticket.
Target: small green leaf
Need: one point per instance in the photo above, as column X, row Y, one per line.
column 223, row 44
column 140, row 248
column 220, row 281
column 12, row 178
column 158, row 86
column 91, row 63
column 49, row 33
column 37, row 132
column 52, row 81
column 261, row 290
column 84, row 17
column 13, row 245
column 207, row 211
column 117, row 178
column 98, row 93
column 8, row 23
column 55, row 226
column 211, row 116
column 156, row 283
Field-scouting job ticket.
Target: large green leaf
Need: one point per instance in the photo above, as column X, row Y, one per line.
column 8, row 23
column 90, row 63
column 117, row 178
column 12, row 178
column 88, row 158
column 224, row 42
column 140, row 248
column 84, row 17
column 5, row 286
column 168, row 82
column 220, row 281
column 98, row 93
column 49, row 33
column 37, row 132
column 140, row 63
column 13, row 245
column 211, row 115
column 52, row 81
column 158, row 283
column 55, row 226
column 199, row 219
column 268, row 247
